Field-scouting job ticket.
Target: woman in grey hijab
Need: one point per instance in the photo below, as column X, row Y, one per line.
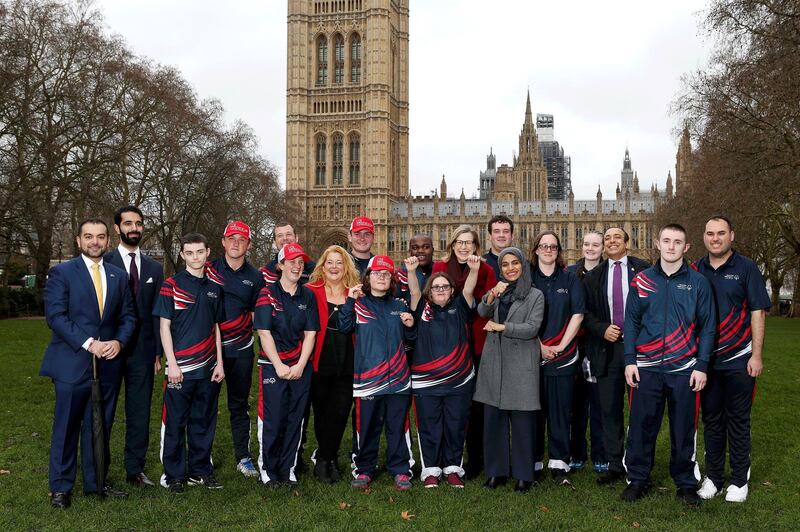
column 508, row 379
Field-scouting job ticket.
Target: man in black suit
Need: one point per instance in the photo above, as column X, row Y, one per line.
column 142, row 355
column 606, row 292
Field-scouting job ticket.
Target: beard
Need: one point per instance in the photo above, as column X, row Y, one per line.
column 132, row 238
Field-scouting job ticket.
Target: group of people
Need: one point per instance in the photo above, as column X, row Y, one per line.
column 507, row 354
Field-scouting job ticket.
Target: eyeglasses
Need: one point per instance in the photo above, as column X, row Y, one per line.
column 381, row 275
column 548, row 247
column 440, row 288
column 463, row 243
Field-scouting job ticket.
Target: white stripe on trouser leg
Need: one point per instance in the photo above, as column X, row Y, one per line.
column 314, row 456
column 696, row 468
column 261, row 468
column 558, row 464
column 299, row 443
column 163, row 479
column 426, row 471
column 410, row 454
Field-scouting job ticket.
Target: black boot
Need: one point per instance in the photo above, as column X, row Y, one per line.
column 322, row 471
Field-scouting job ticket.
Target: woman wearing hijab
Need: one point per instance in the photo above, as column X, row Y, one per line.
column 464, row 243
column 508, row 379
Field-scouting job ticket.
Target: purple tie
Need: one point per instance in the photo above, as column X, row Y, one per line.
column 617, row 306
column 134, row 276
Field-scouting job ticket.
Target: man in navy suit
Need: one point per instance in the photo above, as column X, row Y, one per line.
column 89, row 308
column 142, row 355
column 606, row 294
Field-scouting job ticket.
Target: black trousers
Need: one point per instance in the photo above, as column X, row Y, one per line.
column 509, row 455
column 332, row 397
column 586, row 412
column 611, row 397
column 238, row 379
column 138, row 378
column 557, row 410
column 726, row 403
column 647, row 412
column 387, row 413
column 441, row 428
column 475, row 430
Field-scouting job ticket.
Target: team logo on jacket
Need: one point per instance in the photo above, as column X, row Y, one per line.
column 644, row 285
column 684, row 286
column 269, row 380
column 363, row 314
column 174, row 385
column 247, row 282
column 563, row 290
column 731, row 277
column 212, row 295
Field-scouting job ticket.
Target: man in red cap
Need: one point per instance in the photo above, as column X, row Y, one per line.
column 240, row 282
column 284, row 234
column 361, row 237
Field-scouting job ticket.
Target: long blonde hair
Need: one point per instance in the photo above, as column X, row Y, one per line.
column 350, row 277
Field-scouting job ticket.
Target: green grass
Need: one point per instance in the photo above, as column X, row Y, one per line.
column 26, row 403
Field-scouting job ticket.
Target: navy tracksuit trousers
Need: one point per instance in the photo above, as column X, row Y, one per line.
column 647, row 412
column 557, row 392
column 377, row 413
column 586, row 411
column 726, row 403
column 189, row 417
column 503, row 458
column 281, row 410
column 441, row 432
column 238, row 379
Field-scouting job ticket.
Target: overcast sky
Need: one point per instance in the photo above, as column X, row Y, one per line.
column 607, row 71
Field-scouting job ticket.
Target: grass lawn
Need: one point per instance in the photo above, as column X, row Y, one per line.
column 26, row 401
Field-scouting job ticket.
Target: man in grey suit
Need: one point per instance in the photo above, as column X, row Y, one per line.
column 142, row 355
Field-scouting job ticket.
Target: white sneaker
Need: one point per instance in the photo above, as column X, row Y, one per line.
column 708, row 490
column 736, row 494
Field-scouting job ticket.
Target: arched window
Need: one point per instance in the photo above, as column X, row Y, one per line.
column 338, row 154
column 338, row 55
column 355, row 58
column 321, row 149
column 322, row 60
column 355, row 158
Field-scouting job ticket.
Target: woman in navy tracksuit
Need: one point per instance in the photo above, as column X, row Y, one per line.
column 381, row 379
column 563, row 314
column 441, row 371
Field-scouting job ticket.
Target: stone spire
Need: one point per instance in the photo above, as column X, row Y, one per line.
column 443, row 189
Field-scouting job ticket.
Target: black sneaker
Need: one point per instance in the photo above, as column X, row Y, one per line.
column 634, row 492
column 612, row 477
column 335, row 475
column 176, row 486
column 208, row 481
column 322, row 471
column 689, row 496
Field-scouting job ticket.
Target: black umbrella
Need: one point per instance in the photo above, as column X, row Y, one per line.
column 98, row 430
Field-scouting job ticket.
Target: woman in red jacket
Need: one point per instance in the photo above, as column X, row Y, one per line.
column 332, row 360
column 463, row 243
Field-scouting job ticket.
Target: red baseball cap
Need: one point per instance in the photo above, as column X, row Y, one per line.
column 292, row 251
column 380, row 263
column 362, row 223
column 237, row 228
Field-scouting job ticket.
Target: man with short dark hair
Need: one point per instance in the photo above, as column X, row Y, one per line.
column 501, row 233
column 669, row 336
column 421, row 247
column 88, row 306
column 240, row 282
column 741, row 304
column 142, row 355
column 283, row 234
column 190, row 309
column 606, row 290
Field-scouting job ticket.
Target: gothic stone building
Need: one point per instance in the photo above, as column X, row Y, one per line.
column 347, row 145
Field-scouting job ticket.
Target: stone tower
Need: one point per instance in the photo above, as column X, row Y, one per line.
column 530, row 174
column 346, row 114
column 683, row 164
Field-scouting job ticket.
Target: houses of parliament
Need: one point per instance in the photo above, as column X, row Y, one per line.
column 347, row 147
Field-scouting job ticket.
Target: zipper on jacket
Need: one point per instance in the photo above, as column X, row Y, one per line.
column 664, row 329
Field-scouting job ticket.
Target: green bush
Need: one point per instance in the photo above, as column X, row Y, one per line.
column 17, row 302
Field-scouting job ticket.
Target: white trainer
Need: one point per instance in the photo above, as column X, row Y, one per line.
column 736, row 494
column 708, row 490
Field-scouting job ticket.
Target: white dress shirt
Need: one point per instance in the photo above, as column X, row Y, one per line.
column 89, row 263
column 126, row 259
